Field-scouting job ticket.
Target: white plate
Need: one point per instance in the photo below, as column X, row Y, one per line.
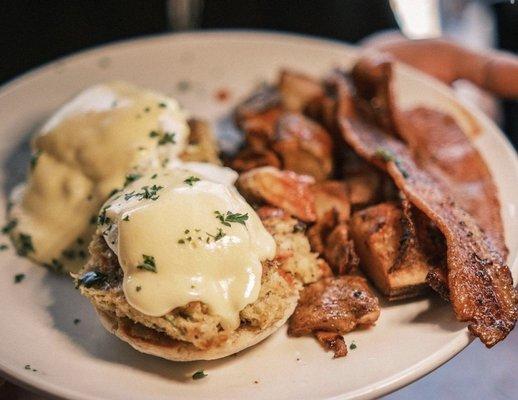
column 83, row 361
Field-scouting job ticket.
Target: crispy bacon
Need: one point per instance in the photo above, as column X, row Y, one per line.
column 480, row 284
column 437, row 143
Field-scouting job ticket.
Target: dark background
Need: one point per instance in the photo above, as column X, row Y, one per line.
column 34, row 32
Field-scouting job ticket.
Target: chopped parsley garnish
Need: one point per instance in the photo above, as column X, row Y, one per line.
column 91, row 278
column 147, row 193
column 24, row 244
column 131, row 178
column 181, row 241
column 162, row 105
column 9, row 226
column 29, row 368
column 147, row 109
column 34, row 159
column 387, row 156
column 76, row 321
column 200, row 374
column 154, row 134
column 18, row 278
column 148, row 264
column 167, row 138
column 352, row 346
column 103, row 219
column 138, row 288
column 229, row 217
column 3, row 247
column 191, row 180
column 217, row 236
column 126, row 218
column 154, row 176
column 299, row 227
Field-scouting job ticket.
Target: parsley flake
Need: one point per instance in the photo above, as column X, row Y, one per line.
column 200, row 374
column 3, row 247
column 18, row 278
column 191, row 180
column 148, row 264
column 167, row 138
column 34, row 159
column 76, row 321
column 352, row 346
column 131, row 178
column 9, row 226
column 147, row 193
column 229, row 217
column 24, row 244
column 217, row 236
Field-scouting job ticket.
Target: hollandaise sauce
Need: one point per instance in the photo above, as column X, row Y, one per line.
column 81, row 154
column 183, row 235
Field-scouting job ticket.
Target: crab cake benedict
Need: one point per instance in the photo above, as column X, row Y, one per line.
column 182, row 267
column 80, row 155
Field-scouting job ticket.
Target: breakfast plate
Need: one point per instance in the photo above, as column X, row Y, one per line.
column 52, row 341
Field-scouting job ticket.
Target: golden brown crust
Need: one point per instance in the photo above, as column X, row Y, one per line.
column 390, row 255
column 303, row 146
column 335, row 304
column 480, row 284
column 281, row 189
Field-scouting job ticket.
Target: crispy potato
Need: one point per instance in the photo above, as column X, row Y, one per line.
column 303, row 146
column 297, row 90
column 388, row 253
column 332, row 195
column 282, row 189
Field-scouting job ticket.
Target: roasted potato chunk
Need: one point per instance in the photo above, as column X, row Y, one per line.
column 388, row 251
column 282, row 189
column 336, row 304
column 330, row 238
column 297, row 90
column 332, row 195
column 250, row 158
column 303, row 146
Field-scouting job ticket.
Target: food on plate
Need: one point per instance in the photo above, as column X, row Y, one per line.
column 389, row 251
column 85, row 151
column 479, row 282
column 334, row 305
column 279, row 138
column 183, row 268
column 407, row 196
column 283, row 189
column 336, row 187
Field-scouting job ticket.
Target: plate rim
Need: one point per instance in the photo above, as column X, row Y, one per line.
column 38, row 384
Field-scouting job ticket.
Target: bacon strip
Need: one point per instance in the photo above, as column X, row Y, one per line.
column 437, row 143
column 480, row 284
